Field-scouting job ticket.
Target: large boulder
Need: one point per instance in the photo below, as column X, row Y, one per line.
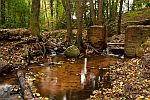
column 72, row 51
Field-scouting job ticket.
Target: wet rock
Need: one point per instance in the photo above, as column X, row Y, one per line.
column 72, row 51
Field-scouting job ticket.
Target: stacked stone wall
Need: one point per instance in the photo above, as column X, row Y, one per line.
column 96, row 36
column 135, row 36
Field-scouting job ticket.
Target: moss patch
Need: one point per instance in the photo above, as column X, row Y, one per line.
column 72, row 51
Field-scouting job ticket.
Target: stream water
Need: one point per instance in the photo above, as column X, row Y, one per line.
column 59, row 78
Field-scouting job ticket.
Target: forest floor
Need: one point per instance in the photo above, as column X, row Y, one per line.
column 137, row 15
column 130, row 81
column 130, row 77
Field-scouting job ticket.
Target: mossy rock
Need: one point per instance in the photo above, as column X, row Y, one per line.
column 72, row 52
column 139, row 52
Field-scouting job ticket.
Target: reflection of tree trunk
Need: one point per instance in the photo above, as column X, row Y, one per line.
column 119, row 17
column 51, row 10
column 100, row 10
column 2, row 13
column 68, row 13
column 79, row 23
column 34, row 22
column 93, row 16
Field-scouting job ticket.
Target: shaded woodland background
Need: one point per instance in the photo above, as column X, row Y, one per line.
column 61, row 14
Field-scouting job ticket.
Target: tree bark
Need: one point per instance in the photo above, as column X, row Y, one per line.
column 100, row 12
column 67, row 7
column 34, row 20
column 57, row 11
column 116, row 7
column 119, row 17
column 9, row 7
column 92, row 11
column 128, row 5
column 2, row 12
column 79, row 3
column 51, row 12
column 46, row 15
column 29, row 16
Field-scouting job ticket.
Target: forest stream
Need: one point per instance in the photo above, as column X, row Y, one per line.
column 59, row 78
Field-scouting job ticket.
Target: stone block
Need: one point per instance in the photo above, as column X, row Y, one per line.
column 134, row 37
column 96, row 36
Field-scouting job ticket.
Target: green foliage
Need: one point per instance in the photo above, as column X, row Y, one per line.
column 132, row 15
column 136, row 15
column 61, row 23
column 16, row 14
column 138, row 4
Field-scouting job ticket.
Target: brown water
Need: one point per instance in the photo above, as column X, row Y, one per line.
column 66, row 79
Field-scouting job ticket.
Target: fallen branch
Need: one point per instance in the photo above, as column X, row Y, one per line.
column 31, row 40
column 27, row 95
column 88, row 45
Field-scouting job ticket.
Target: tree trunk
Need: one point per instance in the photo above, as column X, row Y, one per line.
column 9, row 14
column 79, row 23
column 29, row 16
column 2, row 12
column 85, row 13
column 51, row 12
column 57, row 11
column 100, row 10
column 107, row 9
column 116, row 6
column 133, row 5
column 34, row 21
column 67, row 7
column 46, row 16
column 92, row 11
column 128, row 5
column 119, row 17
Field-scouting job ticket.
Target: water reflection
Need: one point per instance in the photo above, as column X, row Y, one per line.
column 65, row 79
column 84, row 72
column 93, row 81
column 71, row 81
column 85, row 66
column 83, row 78
column 65, row 96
